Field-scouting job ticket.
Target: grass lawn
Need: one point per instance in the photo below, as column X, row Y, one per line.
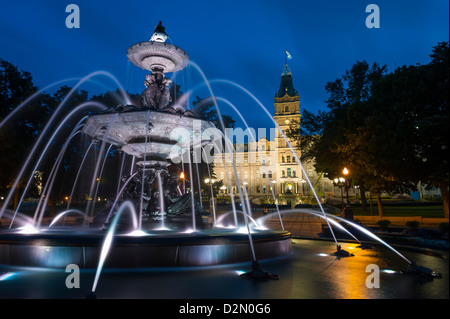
column 403, row 211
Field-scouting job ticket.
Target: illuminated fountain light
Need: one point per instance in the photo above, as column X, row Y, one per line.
column 137, row 233
column 162, row 228
column 389, row 271
column 7, row 275
column 189, row 231
column 244, row 230
column 28, row 229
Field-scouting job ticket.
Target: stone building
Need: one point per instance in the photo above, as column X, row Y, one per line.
column 269, row 168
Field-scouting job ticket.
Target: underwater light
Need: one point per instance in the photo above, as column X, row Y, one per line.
column 6, row 276
column 137, row 233
column 28, row 229
column 389, row 271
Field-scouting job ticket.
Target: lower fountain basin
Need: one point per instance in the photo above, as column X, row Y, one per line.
column 57, row 249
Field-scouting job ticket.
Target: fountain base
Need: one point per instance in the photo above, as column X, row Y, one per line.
column 157, row 248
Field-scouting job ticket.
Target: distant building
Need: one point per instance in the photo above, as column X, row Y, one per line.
column 268, row 168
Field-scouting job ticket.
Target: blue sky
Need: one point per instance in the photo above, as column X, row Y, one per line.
column 241, row 41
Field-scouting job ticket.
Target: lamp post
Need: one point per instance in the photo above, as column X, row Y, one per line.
column 340, row 182
column 212, row 204
column 273, row 185
column 348, row 214
column 303, row 186
column 210, row 182
column 345, row 171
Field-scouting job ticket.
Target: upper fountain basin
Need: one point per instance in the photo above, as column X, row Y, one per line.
column 167, row 133
column 151, row 55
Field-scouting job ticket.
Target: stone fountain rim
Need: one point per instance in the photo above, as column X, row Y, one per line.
column 134, row 54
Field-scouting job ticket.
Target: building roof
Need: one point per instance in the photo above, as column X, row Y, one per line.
column 286, row 85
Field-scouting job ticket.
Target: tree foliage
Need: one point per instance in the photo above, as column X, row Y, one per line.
column 390, row 130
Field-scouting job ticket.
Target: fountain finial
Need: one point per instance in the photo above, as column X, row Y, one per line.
column 159, row 35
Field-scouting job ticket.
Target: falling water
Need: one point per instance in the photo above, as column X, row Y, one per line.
column 234, row 165
column 258, row 150
column 141, row 206
column 107, row 242
column 63, row 214
column 161, row 199
column 329, row 217
column 49, row 185
column 49, row 123
column 120, row 172
column 99, row 178
column 97, row 166
column 119, row 195
column 287, row 141
column 78, row 174
column 211, row 188
column 38, row 142
column 194, row 226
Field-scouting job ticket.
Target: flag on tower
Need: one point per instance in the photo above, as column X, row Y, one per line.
column 288, row 55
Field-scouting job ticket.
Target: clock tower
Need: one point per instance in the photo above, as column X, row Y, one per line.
column 287, row 111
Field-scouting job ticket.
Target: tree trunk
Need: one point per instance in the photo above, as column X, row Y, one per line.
column 371, row 203
column 444, row 191
column 380, row 205
column 52, row 204
column 362, row 191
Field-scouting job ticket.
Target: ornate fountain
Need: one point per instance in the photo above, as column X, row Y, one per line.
column 159, row 134
column 155, row 133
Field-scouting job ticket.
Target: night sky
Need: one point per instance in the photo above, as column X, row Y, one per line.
column 241, row 41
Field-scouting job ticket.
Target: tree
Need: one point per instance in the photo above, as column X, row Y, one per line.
column 19, row 133
column 411, row 115
column 332, row 138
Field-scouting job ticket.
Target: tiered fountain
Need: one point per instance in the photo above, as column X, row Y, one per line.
column 168, row 228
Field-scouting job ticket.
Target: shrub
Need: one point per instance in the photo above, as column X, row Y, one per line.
column 412, row 224
column 443, row 227
column 384, row 224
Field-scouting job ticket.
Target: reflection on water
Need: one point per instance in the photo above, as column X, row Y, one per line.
column 309, row 273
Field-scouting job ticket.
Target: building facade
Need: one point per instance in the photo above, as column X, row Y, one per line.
column 268, row 170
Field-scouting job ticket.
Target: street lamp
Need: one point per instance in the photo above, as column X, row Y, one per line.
column 303, row 186
column 273, row 185
column 348, row 214
column 345, row 171
column 340, row 182
column 210, row 182
column 184, row 182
